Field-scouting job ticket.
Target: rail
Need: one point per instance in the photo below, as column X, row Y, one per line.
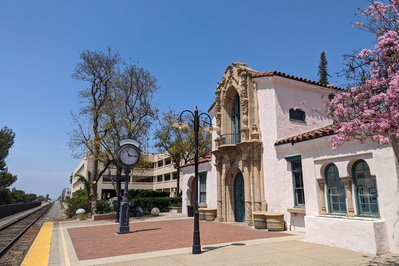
column 11, row 232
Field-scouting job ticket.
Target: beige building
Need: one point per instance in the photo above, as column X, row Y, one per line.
column 160, row 176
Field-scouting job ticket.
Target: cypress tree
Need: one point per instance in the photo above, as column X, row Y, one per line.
column 323, row 69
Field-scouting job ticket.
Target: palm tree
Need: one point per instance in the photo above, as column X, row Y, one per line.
column 85, row 182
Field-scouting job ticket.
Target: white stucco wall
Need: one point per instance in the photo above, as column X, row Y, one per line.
column 355, row 234
column 277, row 178
column 188, row 172
column 316, row 154
column 276, row 96
column 307, row 97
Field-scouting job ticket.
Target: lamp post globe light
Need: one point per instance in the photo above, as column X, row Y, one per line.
column 128, row 155
column 195, row 119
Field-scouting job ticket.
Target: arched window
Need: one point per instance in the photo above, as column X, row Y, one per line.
column 235, row 119
column 202, row 187
column 335, row 190
column 297, row 115
column 365, row 189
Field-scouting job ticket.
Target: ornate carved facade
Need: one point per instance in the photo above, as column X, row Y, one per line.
column 238, row 149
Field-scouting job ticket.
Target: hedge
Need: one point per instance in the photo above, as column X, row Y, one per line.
column 143, row 193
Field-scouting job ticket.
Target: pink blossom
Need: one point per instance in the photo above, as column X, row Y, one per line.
column 358, row 24
column 371, row 110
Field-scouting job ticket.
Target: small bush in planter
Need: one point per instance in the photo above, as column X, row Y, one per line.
column 79, row 200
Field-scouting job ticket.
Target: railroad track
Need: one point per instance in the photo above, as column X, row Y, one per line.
column 11, row 232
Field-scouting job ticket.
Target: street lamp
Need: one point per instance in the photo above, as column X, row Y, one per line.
column 195, row 119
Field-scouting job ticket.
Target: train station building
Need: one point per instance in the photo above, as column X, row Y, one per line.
column 271, row 152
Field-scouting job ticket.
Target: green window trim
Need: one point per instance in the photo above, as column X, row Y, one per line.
column 297, row 180
column 335, row 190
column 297, row 115
column 202, row 187
column 365, row 190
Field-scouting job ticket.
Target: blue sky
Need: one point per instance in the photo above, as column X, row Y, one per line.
column 186, row 45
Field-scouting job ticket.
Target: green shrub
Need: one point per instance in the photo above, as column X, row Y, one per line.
column 148, row 203
column 175, row 202
column 80, row 199
column 144, row 193
column 104, row 206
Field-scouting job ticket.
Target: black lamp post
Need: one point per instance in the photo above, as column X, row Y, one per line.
column 196, row 125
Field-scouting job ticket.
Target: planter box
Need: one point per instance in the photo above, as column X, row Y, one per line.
column 210, row 214
column 175, row 209
column 275, row 221
column 107, row 216
column 201, row 212
column 271, row 221
column 259, row 220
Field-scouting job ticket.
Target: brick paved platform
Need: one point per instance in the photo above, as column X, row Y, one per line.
column 101, row 241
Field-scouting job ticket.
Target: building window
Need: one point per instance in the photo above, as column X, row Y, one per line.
column 174, row 175
column 235, row 120
column 113, row 178
column 335, row 190
column 160, row 163
column 297, row 180
column 297, row 115
column 159, row 178
column 366, row 189
column 202, row 195
column 168, row 161
column 167, row 177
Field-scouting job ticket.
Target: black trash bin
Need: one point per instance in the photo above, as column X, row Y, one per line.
column 190, row 211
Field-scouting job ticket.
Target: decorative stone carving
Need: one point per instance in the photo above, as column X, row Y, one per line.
column 245, row 163
column 244, row 134
column 254, row 133
column 245, row 155
column 219, row 211
column 218, row 142
column 258, row 206
column 248, row 212
column 348, row 193
column 236, row 76
column 244, row 110
column 321, row 183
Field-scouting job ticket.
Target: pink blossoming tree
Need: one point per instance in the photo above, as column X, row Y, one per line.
column 370, row 110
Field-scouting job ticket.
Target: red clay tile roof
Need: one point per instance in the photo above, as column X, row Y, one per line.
column 280, row 74
column 313, row 134
column 208, row 158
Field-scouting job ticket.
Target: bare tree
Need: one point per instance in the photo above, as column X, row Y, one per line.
column 117, row 104
column 98, row 70
column 129, row 112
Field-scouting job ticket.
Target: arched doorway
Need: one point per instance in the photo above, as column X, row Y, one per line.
column 190, row 195
column 239, row 198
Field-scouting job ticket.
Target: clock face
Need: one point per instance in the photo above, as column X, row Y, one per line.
column 128, row 155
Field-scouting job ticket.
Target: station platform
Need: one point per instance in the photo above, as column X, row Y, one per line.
column 167, row 240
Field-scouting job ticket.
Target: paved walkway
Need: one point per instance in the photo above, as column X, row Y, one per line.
column 167, row 240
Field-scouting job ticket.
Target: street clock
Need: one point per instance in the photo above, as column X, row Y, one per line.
column 128, row 153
